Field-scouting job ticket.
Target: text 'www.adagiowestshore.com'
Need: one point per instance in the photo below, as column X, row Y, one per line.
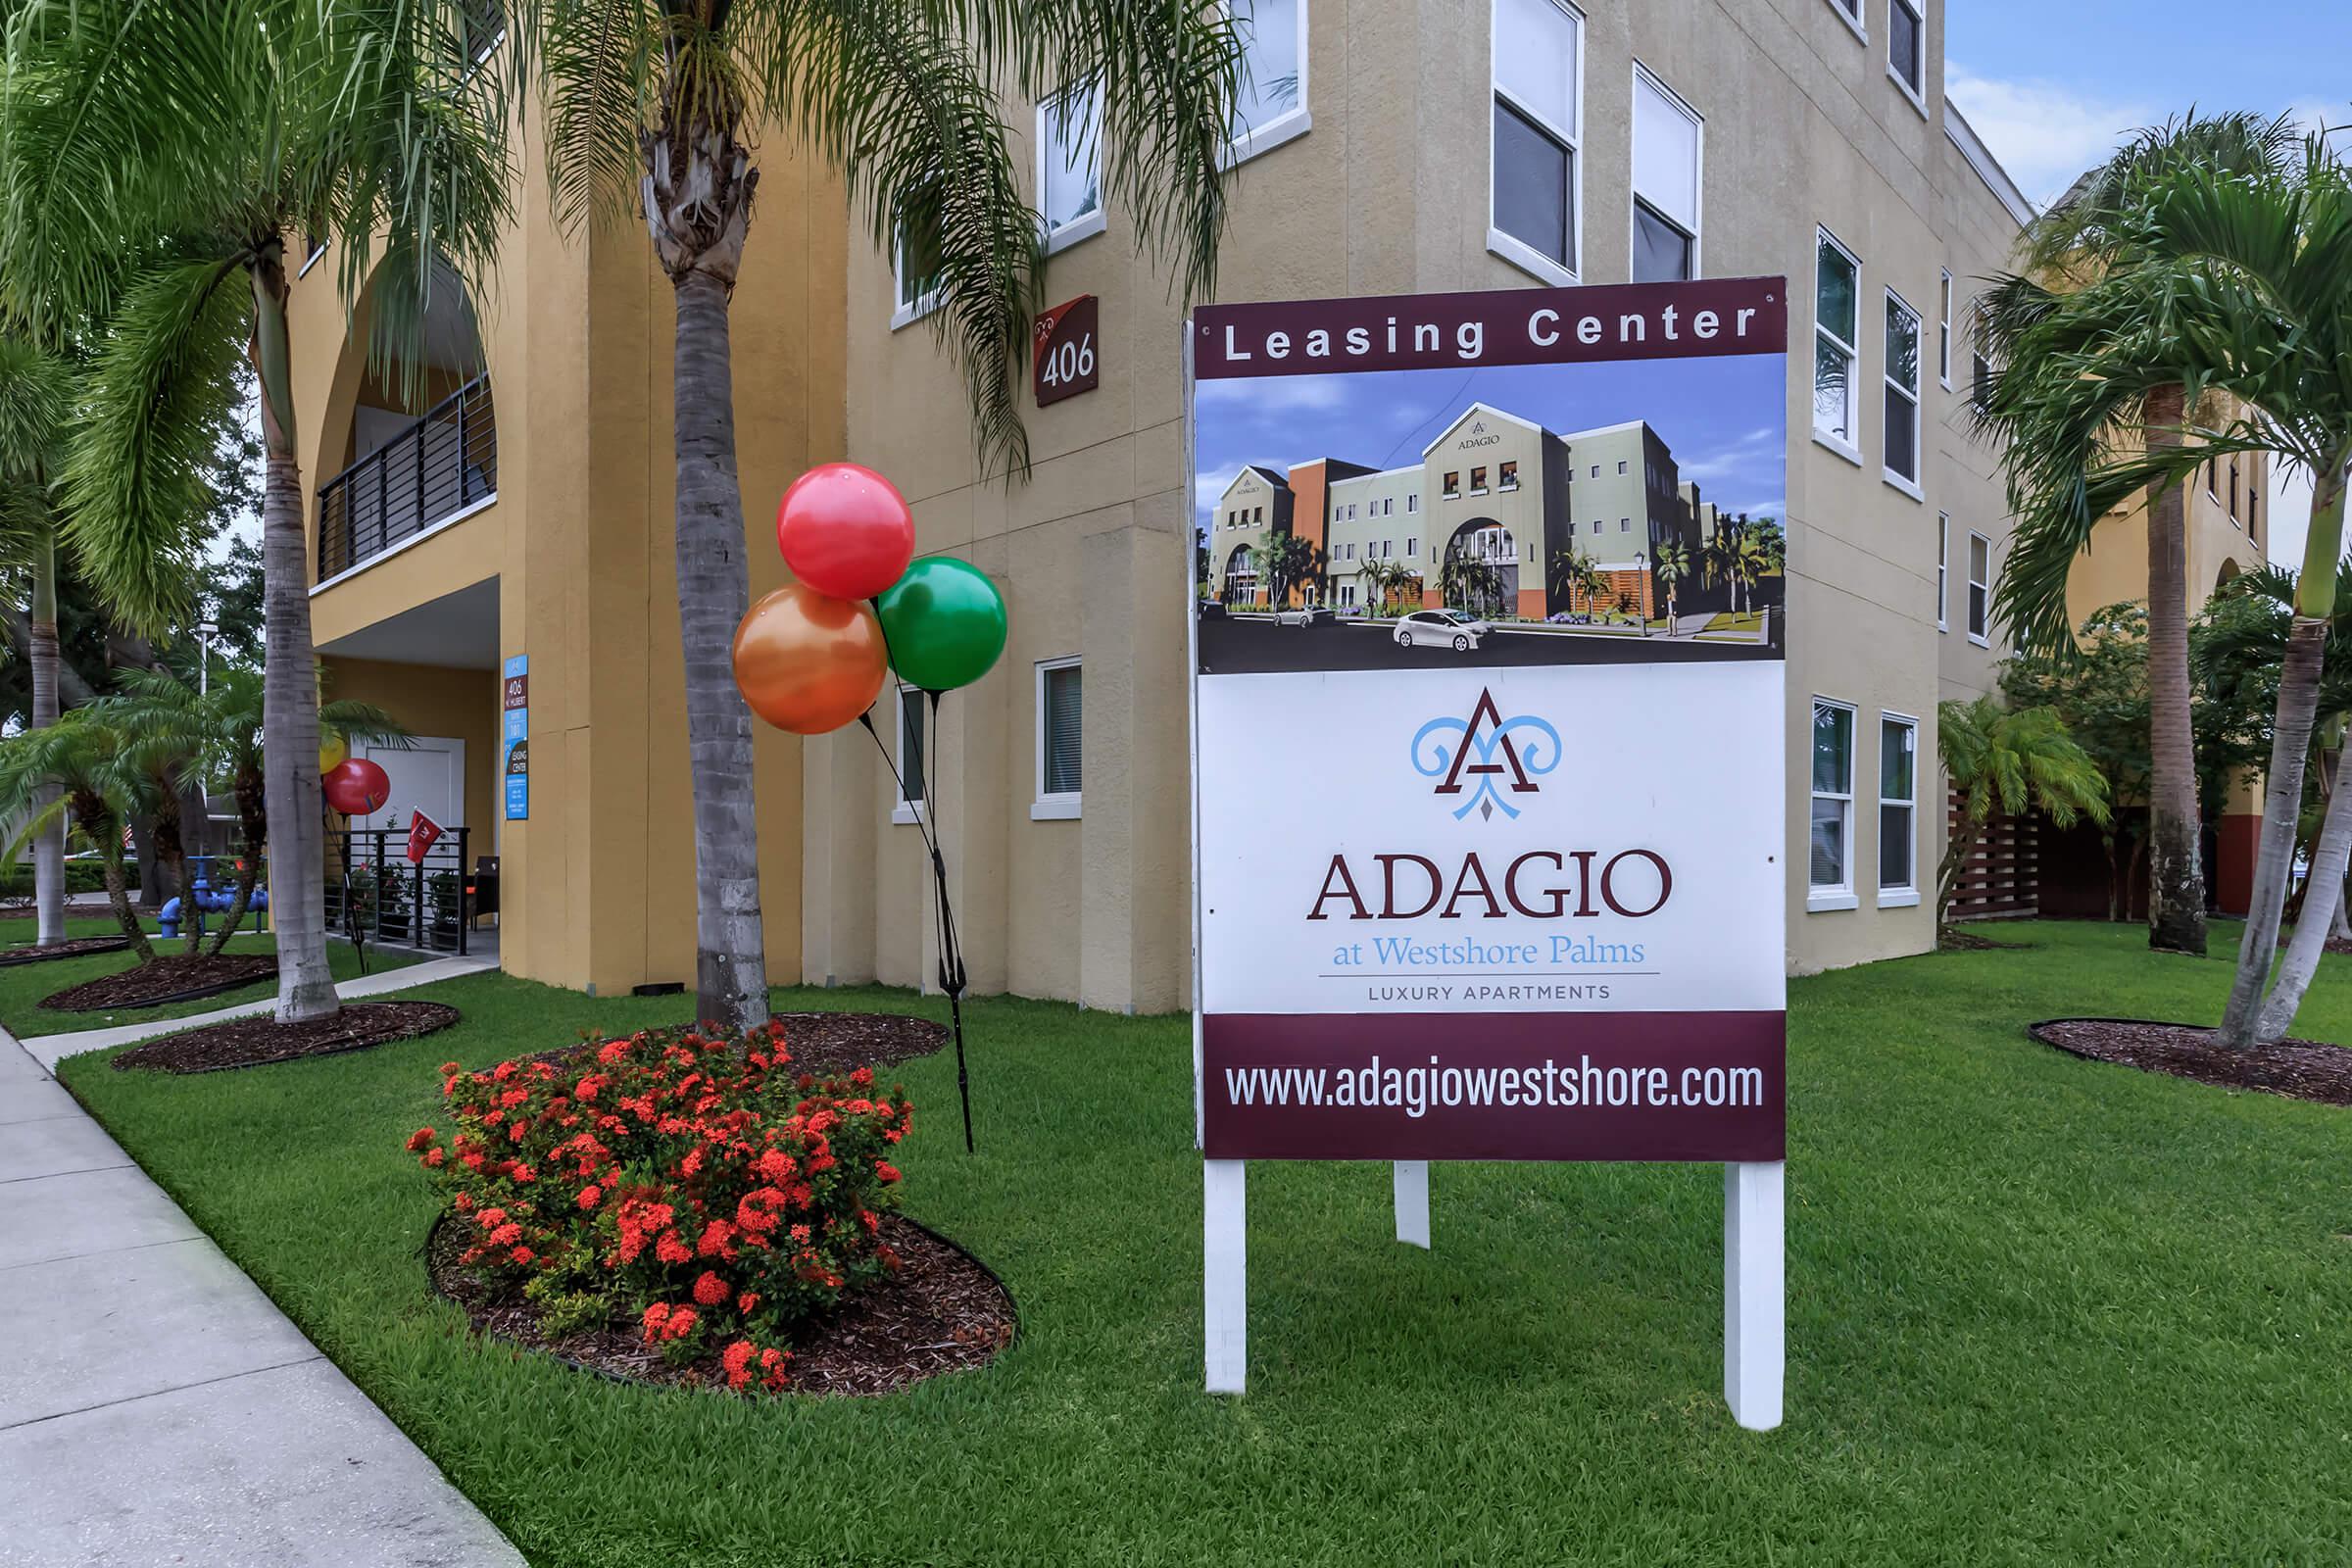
column 1420, row 1088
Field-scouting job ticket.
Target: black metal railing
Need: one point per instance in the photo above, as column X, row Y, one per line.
column 376, row 893
column 435, row 468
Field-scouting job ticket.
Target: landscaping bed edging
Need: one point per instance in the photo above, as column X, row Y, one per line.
column 230, row 972
column 248, row 1042
column 2292, row 1069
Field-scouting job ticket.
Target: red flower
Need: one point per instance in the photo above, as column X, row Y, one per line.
column 746, row 1301
column 669, row 1249
column 590, row 1195
column 420, row 1138
column 681, row 1323
column 448, row 1069
column 886, row 1170
column 523, row 1254
column 863, row 1077
column 433, row 1158
column 736, row 1358
column 710, row 1289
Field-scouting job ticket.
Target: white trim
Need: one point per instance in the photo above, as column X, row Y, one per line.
column 1840, row 895
column 1290, row 123
column 1513, row 250
column 1699, row 170
column 309, row 262
column 1850, row 443
column 384, row 554
column 1824, row 900
column 904, row 312
column 1906, row 894
column 1857, row 23
column 1983, row 639
column 902, row 811
column 1988, row 168
column 1056, row 806
column 1943, row 327
column 1919, row 94
column 1909, row 483
column 1943, row 559
column 1087, row 226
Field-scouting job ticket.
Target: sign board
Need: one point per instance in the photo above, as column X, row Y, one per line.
column 1064, row 361
column 1488, row 717
column 514, row 733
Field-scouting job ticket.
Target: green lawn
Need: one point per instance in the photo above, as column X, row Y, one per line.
column 22, row 986
column 2040, row 1310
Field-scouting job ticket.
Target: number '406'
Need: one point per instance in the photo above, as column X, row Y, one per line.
column 1072, row 361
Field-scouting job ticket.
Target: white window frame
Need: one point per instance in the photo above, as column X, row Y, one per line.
column 1515, row 251
column 1059, row 806
column 901, row 810
column 1918, row 95
column 1905, row 896
column 1698, row 175
column 1853, row 19
column 1848, row 446
column 310, row 261
column 1290, row 123
column 1908, row 485
column 1943, row 329
column 1062, row 238
column 1943, row 556
column 1982, row 638
column 1841, row 896
column 906, row 311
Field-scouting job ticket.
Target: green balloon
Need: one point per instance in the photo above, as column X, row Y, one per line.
column 945, row 623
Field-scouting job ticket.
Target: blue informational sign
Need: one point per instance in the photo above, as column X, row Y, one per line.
column 515, row 735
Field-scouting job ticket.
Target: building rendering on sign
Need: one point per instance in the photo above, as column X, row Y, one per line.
column 1417, row 147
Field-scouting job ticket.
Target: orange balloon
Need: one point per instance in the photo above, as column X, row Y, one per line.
column 809, row 664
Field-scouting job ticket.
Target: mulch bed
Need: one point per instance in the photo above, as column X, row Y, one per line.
column 257, row 1041
column 824, row 1043
column 177, row 977
column 71, row 948
column 1970, row 942
column 2297, row 1070
column 2339, row 945
column 942, row 1311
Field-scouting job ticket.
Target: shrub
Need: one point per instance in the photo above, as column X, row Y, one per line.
column 688, row 1184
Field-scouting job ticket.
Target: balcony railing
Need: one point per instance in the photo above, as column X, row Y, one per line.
column 432, row 470
column 374, row 892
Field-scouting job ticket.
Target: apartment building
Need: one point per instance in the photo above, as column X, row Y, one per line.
column 1385, row 147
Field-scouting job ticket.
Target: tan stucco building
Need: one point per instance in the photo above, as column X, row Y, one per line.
column 1411, row 149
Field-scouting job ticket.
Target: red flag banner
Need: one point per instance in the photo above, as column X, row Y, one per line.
column 423, row 832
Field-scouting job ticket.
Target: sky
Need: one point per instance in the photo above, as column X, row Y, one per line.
column 1723, row 418
column 2051, row 85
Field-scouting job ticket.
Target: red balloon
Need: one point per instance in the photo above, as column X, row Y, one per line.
column 845, row 531
column 357, row 787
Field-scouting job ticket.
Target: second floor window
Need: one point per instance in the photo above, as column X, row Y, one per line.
column 1836, row 288
column 1665, row 184
column 1538, row 68
column 1069, row 190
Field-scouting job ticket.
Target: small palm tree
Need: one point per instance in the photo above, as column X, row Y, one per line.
column 2097, row 230
column 79, row 771
column 2009, row 760
column 216, row 740
column 1672, row 565
column 1574, row 572
column 652, row 112
column 195, row 138
column 1390, row 584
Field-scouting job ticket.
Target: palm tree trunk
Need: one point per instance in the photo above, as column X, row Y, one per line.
column 1957, row 844
column 256, row 829
column 49, row 847
column 714, row 594
column 306, row 988
column 2321, row 904
column 108, row 834
column 2176, row 865
column 2290, row 745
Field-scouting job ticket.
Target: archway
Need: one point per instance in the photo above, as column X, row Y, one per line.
column 1241, row 576
column 1482, row 569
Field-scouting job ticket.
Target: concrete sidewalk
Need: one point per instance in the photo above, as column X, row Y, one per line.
column 50, row 1049
column 155, row 1406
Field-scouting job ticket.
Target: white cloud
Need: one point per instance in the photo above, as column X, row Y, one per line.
column 2045, row 132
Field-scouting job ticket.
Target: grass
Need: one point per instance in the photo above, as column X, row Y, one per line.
column 2040, row 1310
column 22, row 986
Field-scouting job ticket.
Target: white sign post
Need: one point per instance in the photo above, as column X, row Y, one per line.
column 1471, row 680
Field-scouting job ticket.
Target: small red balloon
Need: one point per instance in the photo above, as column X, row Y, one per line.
column 357, row 787
column 845, row 531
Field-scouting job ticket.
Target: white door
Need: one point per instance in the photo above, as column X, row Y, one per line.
column 428, row 775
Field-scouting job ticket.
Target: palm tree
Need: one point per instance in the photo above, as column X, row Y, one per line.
column 77, row 771
column 2239, row 284
column 34, row 392
column 2009, row 760
column 1672, row 563
column 2095, row 230
column 1390, row 582
column 1574, row 572
column 216, row 740
column 652, row 112
column 196, row 137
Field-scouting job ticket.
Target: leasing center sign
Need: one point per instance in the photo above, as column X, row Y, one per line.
column 1489, row 623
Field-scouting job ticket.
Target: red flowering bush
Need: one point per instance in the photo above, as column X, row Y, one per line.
column 687, row 1183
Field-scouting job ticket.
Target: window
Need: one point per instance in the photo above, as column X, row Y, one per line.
column 1625, row 525
column 1621, row 464
column 1906, row 49
column 1829, row 855
column 1943, row 329
column 1943, row 546
column 482, row 27
column 1478, row 481
column 1903, row 394
column 1979, row 353
column 914, row 267
column 2252, row 495
column 1537, row 69
column 1837, row 290
column 1898, row 810
column 1666, row 176
column 1980, row 589
column 911, row 766
column 2232, row 489
column 1412, row 503
column 1270, row 106
column 1069, row 185
column 1850, row 12
column 1060, row 715
column 1453, row 484
column 2213, row 477
column 1508, row 476
column 1410, row 545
